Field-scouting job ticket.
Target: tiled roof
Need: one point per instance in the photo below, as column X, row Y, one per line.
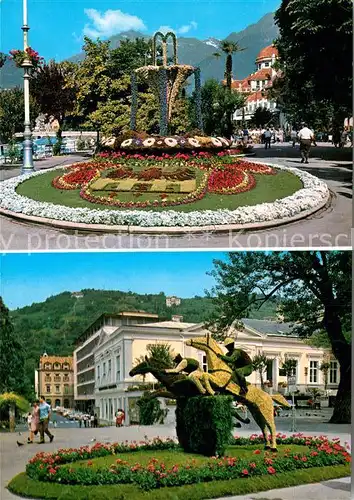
column 268, row 327
column 57, row 359
column 261, row 74
column 267, row 53
column 256, row 96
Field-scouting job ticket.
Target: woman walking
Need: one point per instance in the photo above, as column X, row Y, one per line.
column 33, row 422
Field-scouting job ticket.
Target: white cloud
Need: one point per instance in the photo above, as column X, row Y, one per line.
column 110, row 23
column 179, row 31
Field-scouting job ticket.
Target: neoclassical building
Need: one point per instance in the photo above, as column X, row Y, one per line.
column 255, row 85
column 117, row 350
column 55, row 381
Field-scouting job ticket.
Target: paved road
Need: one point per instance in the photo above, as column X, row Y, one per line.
column 328, row 228
column 13, row 459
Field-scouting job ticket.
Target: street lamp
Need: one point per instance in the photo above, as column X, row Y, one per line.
column 27, row 166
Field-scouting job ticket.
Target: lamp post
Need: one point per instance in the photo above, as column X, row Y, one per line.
column 27, row 166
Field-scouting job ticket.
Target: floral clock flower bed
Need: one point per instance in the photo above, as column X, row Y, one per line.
column 168, row 181
column 102, row 464
column 180, row 190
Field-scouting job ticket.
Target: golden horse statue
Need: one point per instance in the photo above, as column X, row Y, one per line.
column 219, row 377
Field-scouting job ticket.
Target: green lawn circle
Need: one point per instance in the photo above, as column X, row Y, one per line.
column 268, row 189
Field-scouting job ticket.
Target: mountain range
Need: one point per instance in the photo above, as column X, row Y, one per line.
column 190, row 51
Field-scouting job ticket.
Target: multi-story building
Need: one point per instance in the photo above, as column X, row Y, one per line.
column 117, row 351
column 84, row 368
column 173, row 301
column 54, row 380
column 256, row 85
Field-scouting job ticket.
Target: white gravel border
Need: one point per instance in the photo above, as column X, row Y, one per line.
column 312, row 196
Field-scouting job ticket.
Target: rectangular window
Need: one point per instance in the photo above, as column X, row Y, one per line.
column 98, row 373
column 313, row 372
column 109, row 369
column 57, row 388
column 48, row 389
column 104, row 370
column 266, row 64
column 333, row 372
column 117, row 368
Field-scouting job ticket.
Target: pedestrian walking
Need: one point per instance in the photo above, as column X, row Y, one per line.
column 267, row 138
column 44, row 415
column 80, row 421
column 92, row 419
column 33, row 422
column 95, row 421
column 306, row 137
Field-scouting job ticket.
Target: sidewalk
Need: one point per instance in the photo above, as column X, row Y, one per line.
column 8, row 171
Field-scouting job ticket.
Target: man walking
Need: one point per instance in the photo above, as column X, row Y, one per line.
column 293, row 137
column 305, row 137
column 267, row 138
column 44, row 415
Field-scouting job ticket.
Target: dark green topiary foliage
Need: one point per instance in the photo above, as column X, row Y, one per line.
column 204, row 424
column 150, row 411
column 181, row 430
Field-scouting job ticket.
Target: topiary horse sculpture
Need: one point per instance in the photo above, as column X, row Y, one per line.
column 259, row 403
column 176, row 385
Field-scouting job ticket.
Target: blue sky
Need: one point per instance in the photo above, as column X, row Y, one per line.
column 28, row 278
column 57, row 26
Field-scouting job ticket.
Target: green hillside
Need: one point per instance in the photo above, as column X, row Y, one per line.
column 53, row 326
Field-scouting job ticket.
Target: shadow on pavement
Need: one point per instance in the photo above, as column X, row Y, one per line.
column 338, row 485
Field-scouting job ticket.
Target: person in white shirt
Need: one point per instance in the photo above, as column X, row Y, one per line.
column 306, row 138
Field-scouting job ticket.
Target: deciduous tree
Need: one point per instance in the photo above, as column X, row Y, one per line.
column 315, row 49
column 314, row 289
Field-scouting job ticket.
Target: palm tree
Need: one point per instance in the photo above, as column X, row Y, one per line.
column 260, row 364
column 229, row 48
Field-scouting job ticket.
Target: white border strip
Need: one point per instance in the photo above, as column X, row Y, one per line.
column 311, row 197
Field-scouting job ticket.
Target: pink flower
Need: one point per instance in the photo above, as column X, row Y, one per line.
column 245, row 472
column 271, row 470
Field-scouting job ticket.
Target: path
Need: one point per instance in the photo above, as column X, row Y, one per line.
column 328, row 228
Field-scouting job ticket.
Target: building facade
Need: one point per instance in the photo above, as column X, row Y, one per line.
column 256, row 85
column 173, row 301
column 54, row 380
column 117, row 351
column 83, row 356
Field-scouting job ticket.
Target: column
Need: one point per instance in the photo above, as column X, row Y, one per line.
column 275, row 374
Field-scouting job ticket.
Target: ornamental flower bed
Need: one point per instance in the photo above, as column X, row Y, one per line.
column 174, row 142
column 221, row 175
column 53, row 467
column 312, row 196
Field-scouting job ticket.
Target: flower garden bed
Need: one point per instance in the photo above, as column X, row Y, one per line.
column 183, row 190
column 140, row 467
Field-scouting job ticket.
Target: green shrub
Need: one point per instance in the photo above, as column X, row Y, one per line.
column 150, row 411
column 205, row 424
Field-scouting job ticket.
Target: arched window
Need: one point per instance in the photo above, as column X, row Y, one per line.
column 66, row 366
column 48, row 366
column 57, row 366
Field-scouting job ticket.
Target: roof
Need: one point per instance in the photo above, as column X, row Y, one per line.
column 169, row 324
column 256, row 96
column 269, row 327
column 267, row 53
column 57, row 359
column 261, row 74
